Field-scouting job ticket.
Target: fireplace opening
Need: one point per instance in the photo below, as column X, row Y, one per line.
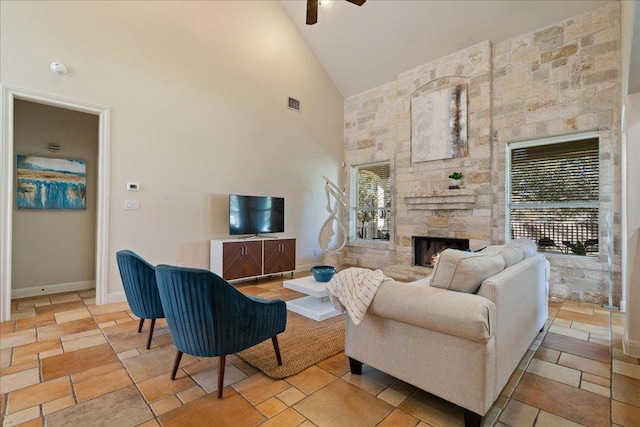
column 427, row 249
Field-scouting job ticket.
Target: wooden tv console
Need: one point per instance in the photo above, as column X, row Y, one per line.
column 238, row 259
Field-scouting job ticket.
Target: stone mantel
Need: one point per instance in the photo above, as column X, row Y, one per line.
column 460, row 199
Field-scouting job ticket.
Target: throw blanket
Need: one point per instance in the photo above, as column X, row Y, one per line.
column 353, row 289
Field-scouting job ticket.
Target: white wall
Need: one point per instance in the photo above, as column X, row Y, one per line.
column 198, row 94
column 630, row 47
column 632, row 329
column 61, row 243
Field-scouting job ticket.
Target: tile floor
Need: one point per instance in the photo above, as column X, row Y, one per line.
column 65, row 361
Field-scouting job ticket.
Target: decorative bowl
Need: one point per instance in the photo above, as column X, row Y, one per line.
column 323, row 273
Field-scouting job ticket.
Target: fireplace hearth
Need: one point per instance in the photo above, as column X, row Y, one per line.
column 427, row 249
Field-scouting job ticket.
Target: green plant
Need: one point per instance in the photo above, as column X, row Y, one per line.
column 580, row 249
column 456, row 175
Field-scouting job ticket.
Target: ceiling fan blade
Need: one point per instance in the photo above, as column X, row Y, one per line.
column 357, row 2
column 312, row 12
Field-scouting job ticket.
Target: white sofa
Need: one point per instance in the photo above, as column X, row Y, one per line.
column 460, row 346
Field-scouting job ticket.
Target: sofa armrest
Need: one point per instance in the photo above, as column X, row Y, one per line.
column 520, row 294
column 463, row 315
column 523, row 285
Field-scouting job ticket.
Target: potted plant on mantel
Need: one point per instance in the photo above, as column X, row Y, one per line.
column 456, row 180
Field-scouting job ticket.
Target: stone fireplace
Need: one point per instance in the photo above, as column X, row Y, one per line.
column 503, row 91
column 378, row 128
column 427, row 249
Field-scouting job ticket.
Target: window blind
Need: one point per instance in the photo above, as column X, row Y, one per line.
column 554, row 195
column 563, row 172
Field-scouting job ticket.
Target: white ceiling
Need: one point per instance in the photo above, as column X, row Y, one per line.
column 365, row 47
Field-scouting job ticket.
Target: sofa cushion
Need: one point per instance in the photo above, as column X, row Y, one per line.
column 464, row 271
column 511, row 254
column 453, row 313
column 528, row 246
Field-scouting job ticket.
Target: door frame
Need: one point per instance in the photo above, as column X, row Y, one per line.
column 7, row 187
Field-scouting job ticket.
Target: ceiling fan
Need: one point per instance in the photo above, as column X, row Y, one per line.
column 312, row 9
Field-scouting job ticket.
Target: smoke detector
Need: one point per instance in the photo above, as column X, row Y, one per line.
column 58, row 68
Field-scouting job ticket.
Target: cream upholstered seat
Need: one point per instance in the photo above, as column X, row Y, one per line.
column 460, row 346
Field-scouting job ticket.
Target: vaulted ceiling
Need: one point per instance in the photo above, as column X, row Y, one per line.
column 365, row 47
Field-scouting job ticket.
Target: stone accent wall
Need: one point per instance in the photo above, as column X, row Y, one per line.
column 563, row 79
column 560, row 79
column 378, row 128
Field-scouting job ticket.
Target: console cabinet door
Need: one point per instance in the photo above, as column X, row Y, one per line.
column 253, row 259
column 241, row 259
column 271, row 256
column 232, row 260
column 279, row 255
column 288, row 255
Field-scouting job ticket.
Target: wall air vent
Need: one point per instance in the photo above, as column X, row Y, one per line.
column 294, row 104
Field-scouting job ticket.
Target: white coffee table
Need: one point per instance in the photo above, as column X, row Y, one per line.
column 317, row 305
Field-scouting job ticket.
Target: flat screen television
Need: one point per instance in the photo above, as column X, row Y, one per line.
column 255, row 214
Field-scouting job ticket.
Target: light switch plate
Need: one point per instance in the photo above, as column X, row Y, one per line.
column 131, row 205
column 133, row 186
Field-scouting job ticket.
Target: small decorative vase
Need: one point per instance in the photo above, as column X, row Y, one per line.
column 456, row 182
column 323, row 273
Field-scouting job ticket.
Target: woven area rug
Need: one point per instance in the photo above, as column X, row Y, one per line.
column 304, row 343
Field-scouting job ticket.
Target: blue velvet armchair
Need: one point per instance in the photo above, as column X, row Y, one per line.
column 208, row 317
column 140, row 287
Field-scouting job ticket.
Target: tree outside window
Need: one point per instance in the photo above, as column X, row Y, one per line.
column 372, row 205
column 553, row 193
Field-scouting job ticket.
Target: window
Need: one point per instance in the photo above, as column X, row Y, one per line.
column 371, row 215
column 553, row 193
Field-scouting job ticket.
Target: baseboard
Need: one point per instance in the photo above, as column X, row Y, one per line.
column 623, row 306
column 52, row 289
column 120, row 296
column 631, row 347
column 116, row 297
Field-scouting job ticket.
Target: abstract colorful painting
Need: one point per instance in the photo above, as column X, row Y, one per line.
column 47, row 183
column 439, row 124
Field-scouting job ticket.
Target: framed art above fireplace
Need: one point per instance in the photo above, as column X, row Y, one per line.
column 439, row 123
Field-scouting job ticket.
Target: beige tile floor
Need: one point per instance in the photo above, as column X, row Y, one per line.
column 65, row 361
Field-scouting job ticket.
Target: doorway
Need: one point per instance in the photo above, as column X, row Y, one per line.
column 7, row 188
